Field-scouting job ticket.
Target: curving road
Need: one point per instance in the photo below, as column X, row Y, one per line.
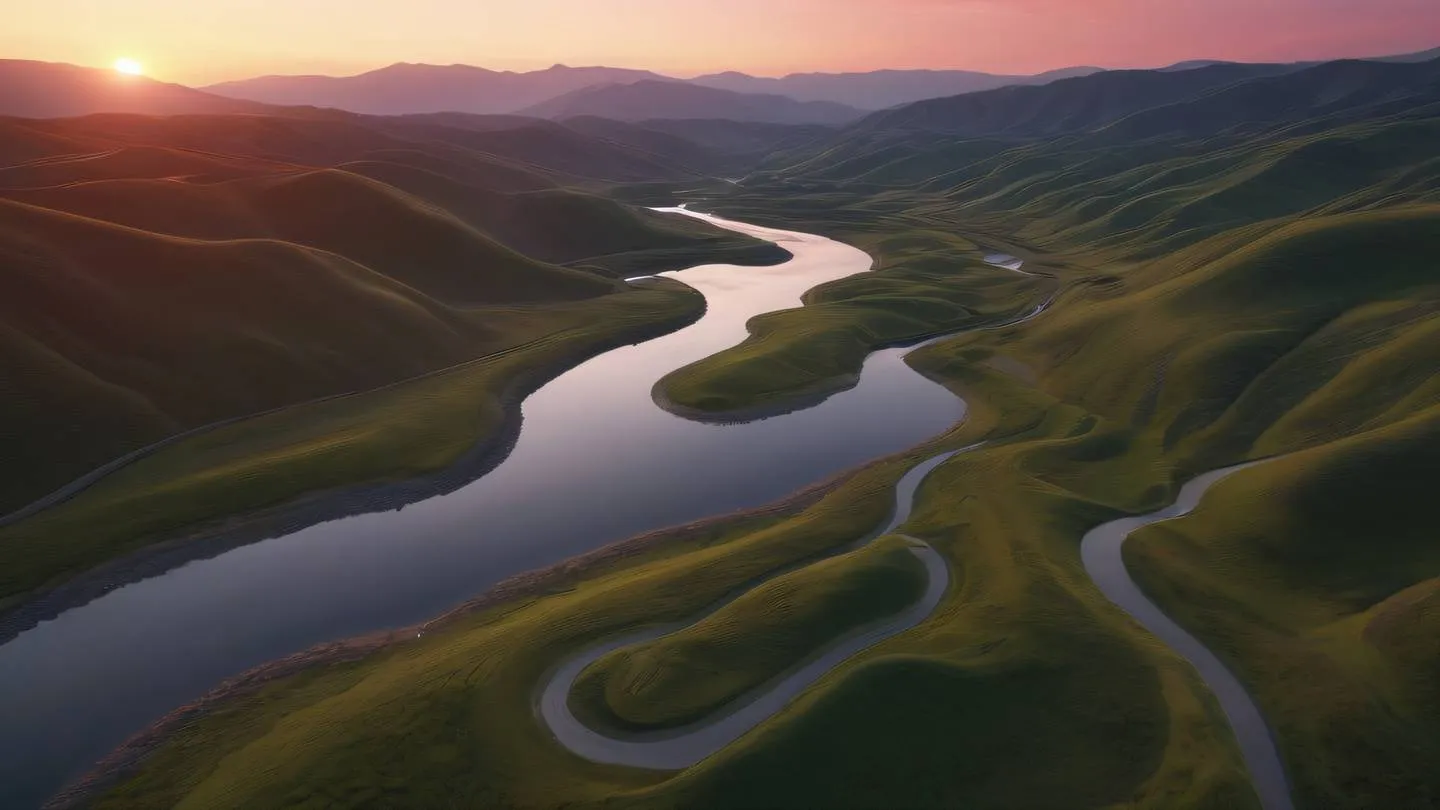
column 673, row 749
column 1101, row 549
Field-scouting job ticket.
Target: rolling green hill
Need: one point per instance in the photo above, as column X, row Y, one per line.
column 1230, row 278
column 149, row 258
column 689, row 675
column 125, row 336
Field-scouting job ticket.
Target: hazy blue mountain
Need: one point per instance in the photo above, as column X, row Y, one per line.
column 1064, row 106
column 1418, row 56
column 644, row 100
column 411, row 88
column 877, row 90
column 56, row 90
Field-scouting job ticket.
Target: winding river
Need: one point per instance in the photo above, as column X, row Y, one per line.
column 596, row 462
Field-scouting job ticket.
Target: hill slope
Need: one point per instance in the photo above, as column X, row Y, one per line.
column 375, row 249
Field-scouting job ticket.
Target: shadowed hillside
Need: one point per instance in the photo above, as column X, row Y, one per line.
column 122, row 336
column 1131, row 278
column 395, row 246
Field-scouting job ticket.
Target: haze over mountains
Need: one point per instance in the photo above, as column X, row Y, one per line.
column 652, row 99
column 416, row 88
column 54, row 90
column 879, row 89
column 47, row 90
column 409, row 88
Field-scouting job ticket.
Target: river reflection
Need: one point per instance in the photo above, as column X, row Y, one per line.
column 596, row 462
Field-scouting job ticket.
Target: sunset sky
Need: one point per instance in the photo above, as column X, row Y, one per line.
column 214, row 40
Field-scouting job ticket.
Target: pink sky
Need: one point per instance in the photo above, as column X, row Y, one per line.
column 202, row 41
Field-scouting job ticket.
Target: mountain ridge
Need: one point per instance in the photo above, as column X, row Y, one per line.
column 646, row 100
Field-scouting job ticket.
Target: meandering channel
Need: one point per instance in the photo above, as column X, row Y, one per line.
column 673, row 749
column 596, row 462
column 1101, row 549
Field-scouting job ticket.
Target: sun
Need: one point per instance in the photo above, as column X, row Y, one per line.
column 129, row 66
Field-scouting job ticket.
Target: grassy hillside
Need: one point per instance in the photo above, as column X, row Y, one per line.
column 321, row 255
column 121, row 341
column 927, row 283
column 392, row 233
column 394, row 432
column 996, row 702
column 1225, row 288
column 691, row 674
column 1319, row 577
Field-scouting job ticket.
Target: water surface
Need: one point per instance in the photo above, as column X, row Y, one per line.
column 596, row 462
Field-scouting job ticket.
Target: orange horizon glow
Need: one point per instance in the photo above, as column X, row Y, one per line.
column 203, row 43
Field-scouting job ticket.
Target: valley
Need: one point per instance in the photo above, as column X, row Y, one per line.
column 1053, row 444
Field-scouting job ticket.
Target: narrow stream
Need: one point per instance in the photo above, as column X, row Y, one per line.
column 596, row 462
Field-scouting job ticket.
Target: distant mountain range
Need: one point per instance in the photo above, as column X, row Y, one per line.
column 1196, row 102
column 54, row 90
column 879, row 89
column 49, row 90
column 408, row 88
column 654, row 99
column 1069, row 105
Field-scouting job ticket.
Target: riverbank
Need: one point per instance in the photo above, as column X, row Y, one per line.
column 463, row 449
column 796, row 358
column 490, row 660
column 348, row 576
column 127, row 760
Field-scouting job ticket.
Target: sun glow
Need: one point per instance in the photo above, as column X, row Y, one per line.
column 129, row 66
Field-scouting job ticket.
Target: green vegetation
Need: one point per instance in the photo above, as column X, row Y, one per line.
column 1319, row 576
column 927, row 283
column 167, row 273
column 1024, row 662
column 392, row 433
column 1235, row 278
column 692, row 673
